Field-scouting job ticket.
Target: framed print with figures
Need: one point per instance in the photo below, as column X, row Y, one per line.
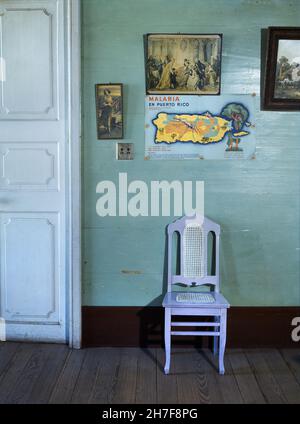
column 183, row 63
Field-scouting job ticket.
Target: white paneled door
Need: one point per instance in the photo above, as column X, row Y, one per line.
column 33, row 169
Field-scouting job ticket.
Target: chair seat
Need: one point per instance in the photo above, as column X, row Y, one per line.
column 171, row 302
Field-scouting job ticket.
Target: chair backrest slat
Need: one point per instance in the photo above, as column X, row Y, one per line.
column 193, row 251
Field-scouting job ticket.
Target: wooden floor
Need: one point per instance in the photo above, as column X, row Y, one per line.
column 44, row 373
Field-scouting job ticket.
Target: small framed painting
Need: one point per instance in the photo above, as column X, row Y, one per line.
column 282, row 73
column 183, row 63
column 109, row 111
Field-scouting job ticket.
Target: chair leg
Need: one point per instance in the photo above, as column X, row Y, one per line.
column 216, row 338
column 167, row 339
column 223, row 323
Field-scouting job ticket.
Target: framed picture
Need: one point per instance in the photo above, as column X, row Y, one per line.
column 282, row 73
column 109, row 111
column 183, row 63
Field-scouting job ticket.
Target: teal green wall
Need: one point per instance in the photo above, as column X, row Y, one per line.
column 256, row 202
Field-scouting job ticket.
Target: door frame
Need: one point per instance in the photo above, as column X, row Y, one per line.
column 73, row 201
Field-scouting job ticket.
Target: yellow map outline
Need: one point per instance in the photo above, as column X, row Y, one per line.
column 202, row 128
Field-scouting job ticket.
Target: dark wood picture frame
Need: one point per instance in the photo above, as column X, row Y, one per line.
column 208, row 69
column 109, row 111
column 280, row 90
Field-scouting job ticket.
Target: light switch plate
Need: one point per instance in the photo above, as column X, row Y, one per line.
column 124, row 151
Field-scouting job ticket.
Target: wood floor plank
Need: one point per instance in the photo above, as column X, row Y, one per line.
column 21, row 393
column 146, row 377
column 166, row 384
column 292, row 359
column 125, row 388
column 106, row 379
column 245, row 378
column 63, row 390
column 43, row 388
column 7, row 351
column 266, row 380
column 283, row 375
column 38, row 373
column 210, row 373
column 12, row 374
column 87, row 377
column 192, row 384
column 227, row 383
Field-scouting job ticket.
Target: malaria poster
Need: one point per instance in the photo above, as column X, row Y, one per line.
column 199, row 127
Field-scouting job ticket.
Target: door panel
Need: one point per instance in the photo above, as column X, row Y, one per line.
column 44, row 175
column 30, row 49
column 33, row 164
column 30, row 285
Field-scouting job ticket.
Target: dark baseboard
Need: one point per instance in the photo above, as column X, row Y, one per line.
column 248, row 327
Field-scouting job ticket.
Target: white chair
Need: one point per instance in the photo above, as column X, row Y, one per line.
column 193, row 235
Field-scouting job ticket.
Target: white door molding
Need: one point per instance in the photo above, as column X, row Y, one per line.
column 74, row 175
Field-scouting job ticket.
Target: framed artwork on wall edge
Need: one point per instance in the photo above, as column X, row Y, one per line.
column 281, row 85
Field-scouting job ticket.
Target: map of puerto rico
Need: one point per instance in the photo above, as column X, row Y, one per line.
column 203, row 128
column 200, row 127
